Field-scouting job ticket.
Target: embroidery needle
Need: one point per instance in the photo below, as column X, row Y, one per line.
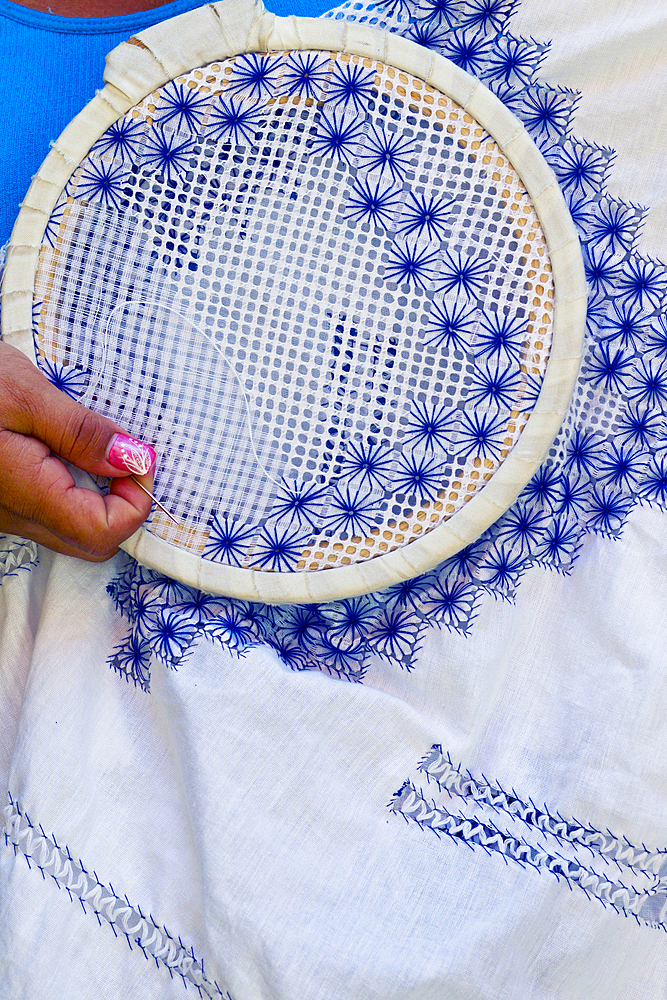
column 155, row 500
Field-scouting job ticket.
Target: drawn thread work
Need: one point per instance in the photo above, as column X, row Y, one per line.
column 43, row 853
column 501, row 822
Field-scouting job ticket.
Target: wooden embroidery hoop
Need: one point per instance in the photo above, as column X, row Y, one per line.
column 138, row 67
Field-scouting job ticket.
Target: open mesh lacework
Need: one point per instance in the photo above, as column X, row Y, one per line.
column 367, row 264
column 606, row 458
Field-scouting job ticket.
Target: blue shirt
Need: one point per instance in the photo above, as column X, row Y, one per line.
column 51, row 66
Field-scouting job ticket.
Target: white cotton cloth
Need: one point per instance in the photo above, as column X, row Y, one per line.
column 244, row 806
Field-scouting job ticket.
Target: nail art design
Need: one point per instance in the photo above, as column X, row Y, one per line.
column 131, row 455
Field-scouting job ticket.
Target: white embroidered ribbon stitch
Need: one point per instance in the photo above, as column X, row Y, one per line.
column 478, row 824
column 43, row 853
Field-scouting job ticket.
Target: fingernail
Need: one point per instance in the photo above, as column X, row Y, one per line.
column 127, row 453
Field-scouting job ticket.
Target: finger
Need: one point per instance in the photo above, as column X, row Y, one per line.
column 31, row 406
column 38, row 488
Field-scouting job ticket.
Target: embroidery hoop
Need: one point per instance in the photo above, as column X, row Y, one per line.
column 146, row 62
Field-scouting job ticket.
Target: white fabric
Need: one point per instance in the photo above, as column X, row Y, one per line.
column 244, row 805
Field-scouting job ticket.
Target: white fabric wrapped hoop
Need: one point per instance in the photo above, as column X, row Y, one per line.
column 137, row 68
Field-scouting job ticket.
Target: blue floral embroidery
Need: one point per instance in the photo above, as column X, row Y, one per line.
column 182, row 106
column 234, row 119
column 351, row 87
column 164, row 154
column 596, row 471
column 67, row 378
column 255, row 75
column 305, row 74
column 337, row 136
column 123, row 140
column 373, row 203
column 103, row 183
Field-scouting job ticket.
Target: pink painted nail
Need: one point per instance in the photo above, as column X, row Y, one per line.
column 131, row 455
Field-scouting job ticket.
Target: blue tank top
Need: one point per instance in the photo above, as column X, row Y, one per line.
column 51, row 66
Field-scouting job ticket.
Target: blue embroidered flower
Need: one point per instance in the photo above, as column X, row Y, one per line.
column 234, row 119
column 583, row 451
column 351, row 86
column 572, row 496
column 428, row 34
column 609, row 510
column 420, row 477
column 200, row 607
column 639, row 427
column 615, row 226
column 351, row 512
column 254, row 75
column 560, row 545
column 132, row 657
column 305, row 74
column 277, row 549
column 165, row 155
column 68, row 379
column 496, row 385
column 301, row 503
column 626, row 325
column 547, row 112
column 352, row 620
column 649, row 384
column 408, row 593
column 304, row 624
column 408, row 262
column 228, row 540
column 452, row 602
column 171, row 637
column 181, row 105
column 602, row 269
column 337, row 137
column 621, row 466
column 468, row 49
column 463, row 273
column 369, row 462
column 654, row 484
column 430, row 427
column 522, row 526
column 122, row 139
column 396, row 635
column 481, row 435
column 466, row 561
column 656, row 339
column 500, row 335
column 373, row 203
column 582, row 167
column 609, row 367
column 643, row 283
column 440, row 11
column 231, row 629
column 514, row 60
column 544, row 486
column 144, row 610
column 489, row 15
column 451, row 324
column 103, row 183
column 430, row 214
column 386, row 151
column 292, row 655
column 581, row 210
column 345, row 661
column 501, row 571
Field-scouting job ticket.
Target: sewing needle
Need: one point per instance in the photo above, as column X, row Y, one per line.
column 155, row 500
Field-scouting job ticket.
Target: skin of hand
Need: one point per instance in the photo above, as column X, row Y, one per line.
column 39, row 425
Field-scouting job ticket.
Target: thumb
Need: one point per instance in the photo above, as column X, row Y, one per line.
column 32, row 406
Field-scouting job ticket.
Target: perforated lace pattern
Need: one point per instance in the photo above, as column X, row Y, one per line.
column 326, row 301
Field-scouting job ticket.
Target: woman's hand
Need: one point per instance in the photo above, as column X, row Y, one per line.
column 39, row 425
